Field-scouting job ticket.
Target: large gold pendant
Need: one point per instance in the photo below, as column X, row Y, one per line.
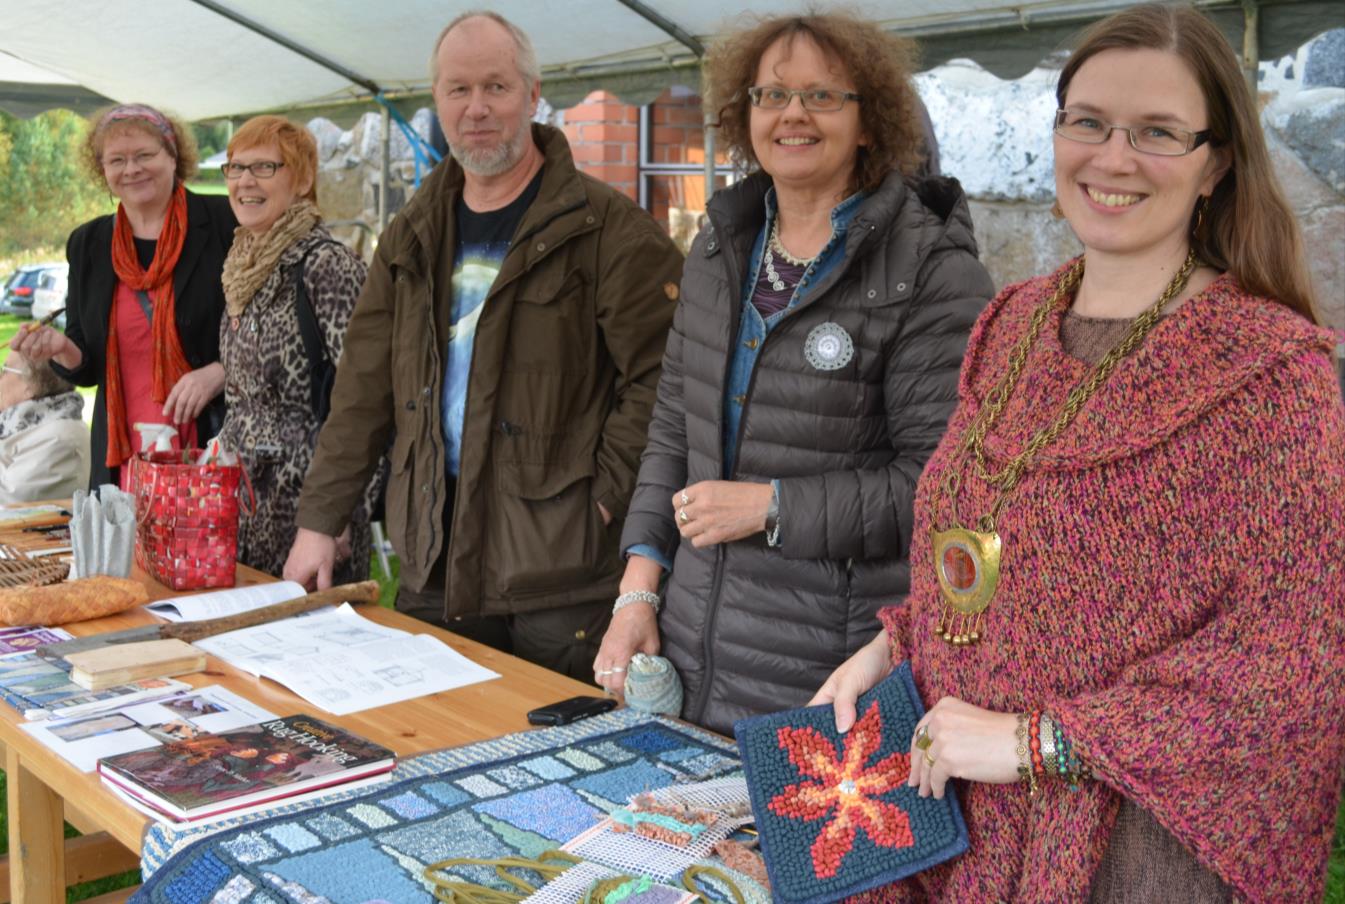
column 967, row 563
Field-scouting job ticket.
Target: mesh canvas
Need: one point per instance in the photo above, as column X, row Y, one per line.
column 834, row 812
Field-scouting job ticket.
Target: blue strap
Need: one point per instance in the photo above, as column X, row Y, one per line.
column 422, row 150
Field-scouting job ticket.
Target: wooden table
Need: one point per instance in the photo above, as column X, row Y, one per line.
column 44, row 788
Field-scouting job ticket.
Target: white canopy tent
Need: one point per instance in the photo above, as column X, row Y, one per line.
column 206, row 59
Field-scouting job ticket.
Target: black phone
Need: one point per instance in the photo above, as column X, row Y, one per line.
column 571, row 710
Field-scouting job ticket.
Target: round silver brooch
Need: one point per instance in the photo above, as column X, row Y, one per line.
column 828, row 347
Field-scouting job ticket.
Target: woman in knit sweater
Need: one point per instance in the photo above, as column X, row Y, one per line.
column 1128, row 571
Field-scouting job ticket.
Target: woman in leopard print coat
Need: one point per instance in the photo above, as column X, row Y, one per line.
column 271, row 421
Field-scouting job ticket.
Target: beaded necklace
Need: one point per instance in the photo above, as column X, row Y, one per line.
column 773, row 247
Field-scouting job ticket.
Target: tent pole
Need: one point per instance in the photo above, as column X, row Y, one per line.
column 709, row 141
column 386, row 171
column 1251, row 48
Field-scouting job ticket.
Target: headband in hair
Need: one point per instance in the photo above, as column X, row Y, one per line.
column 141, row 113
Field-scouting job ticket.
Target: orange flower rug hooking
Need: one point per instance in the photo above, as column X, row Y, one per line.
column 834, row 812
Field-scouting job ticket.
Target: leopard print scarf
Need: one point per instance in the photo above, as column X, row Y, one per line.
column 252, row 258
column 31, row 412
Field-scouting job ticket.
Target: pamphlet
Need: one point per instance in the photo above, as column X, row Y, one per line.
column 140, row 726
column 343, row 662
column 220, row 603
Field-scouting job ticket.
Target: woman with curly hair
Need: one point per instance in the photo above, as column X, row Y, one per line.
column 809, row 373
column 1127, row 603
column 144, row 295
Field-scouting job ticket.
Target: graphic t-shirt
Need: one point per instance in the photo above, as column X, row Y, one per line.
column 483, row 241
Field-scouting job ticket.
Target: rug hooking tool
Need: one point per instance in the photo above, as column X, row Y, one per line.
column 363, row 592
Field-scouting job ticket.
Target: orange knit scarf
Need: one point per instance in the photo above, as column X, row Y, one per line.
column 169, row 361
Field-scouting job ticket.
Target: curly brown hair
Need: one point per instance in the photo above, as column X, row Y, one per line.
column 103, row 125
column 878, row 63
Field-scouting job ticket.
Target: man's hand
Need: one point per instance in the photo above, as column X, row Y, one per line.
column 192, row 392
column 311, row 560
column 718, row 511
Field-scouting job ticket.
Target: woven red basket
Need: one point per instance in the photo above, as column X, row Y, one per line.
column 187, row 519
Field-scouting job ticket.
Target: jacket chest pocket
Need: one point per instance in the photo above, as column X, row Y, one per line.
column 552, row 324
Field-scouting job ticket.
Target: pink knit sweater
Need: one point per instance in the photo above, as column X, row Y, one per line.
column 1172, row 591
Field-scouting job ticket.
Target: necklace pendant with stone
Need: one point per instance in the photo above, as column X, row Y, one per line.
column 967, row 565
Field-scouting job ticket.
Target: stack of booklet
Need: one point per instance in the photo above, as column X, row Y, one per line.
column 231, row 773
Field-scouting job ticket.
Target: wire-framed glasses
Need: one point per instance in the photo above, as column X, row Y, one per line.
column 815, row 100
column 1147, row 138
column 262, row 169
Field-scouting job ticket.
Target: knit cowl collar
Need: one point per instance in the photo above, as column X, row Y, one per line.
column 1193, row 359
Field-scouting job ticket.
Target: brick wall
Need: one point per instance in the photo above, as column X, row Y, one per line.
column 604, row 136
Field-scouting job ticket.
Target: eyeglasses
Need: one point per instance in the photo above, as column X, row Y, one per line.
column 118, row 163
column 14, row 370
column 814, row 100
column 1147, row 138
column 262, row 169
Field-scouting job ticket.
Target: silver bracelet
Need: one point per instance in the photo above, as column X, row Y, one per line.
column 636, row 596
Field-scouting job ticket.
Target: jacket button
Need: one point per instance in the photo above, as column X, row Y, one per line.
column 425, row 488
column 752, row 343
column 901, row 287
column 588, row 220
column 739, row 399
column 541, row 246
column 710, row 246
column 580, row 634
column 411, row 405
column 873, row 293
column 426, row 392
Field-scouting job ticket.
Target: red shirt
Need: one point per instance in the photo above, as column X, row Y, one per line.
column 137, row 372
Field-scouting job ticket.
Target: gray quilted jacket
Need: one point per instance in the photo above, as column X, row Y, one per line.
column 754, row 629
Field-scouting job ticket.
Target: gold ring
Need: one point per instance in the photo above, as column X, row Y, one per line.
column 686, row 500
column 922, row 738
column 929, row 760
column 682, row 516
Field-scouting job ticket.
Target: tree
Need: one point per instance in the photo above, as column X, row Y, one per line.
column 45, row 191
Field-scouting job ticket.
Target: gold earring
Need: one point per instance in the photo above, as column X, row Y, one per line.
column 1201, row 207
column 1057, row 211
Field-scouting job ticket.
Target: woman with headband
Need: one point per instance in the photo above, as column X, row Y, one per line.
column 145, row 295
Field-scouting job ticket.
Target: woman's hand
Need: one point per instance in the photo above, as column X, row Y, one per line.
column 192, row 392
column 856, row 675
column 718, row 511
column 311, row 560
column 634, row 629
column 965, row 741
column 42, row 343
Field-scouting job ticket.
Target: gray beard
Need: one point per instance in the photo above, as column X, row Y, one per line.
column 491, row 161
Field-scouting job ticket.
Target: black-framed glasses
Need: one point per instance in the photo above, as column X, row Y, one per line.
column 262, row 169
column 814, row 100
column 1147, row 138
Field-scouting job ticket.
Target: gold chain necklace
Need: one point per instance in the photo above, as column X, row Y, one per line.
column 967, row 562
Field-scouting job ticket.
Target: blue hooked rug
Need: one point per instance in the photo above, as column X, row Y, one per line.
column 521, row 794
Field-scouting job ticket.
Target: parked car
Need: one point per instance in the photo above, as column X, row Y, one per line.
column 50, row 295
column 19, row 288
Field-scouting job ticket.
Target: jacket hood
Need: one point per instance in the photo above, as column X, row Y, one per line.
column 1194, row 360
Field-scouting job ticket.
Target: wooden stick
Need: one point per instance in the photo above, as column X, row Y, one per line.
column 363, row 592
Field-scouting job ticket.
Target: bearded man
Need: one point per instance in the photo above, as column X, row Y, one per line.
column 508, row 341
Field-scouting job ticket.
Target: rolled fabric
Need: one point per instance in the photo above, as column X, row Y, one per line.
column 652, row 685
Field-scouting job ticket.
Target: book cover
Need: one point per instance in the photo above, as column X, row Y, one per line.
column 219, row 772
column 835, row 814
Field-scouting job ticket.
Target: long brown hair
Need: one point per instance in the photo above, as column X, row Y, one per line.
column 1247, row 228
column 878, row 62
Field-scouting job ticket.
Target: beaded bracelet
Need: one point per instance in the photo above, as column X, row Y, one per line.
column 636, row 596
column 1034, row 742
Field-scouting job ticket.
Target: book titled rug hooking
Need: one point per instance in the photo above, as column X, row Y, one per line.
column 834, row 811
